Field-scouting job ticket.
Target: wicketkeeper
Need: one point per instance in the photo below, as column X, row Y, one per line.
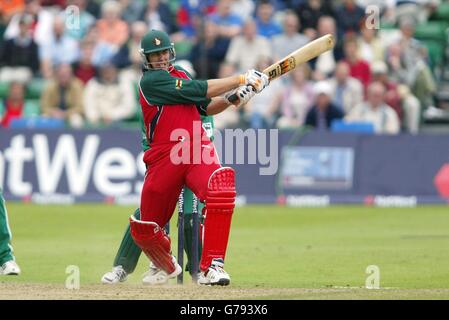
column 179, row 156
column 8, row 265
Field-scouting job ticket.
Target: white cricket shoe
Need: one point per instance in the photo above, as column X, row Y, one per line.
column 156, row 276
column 10, row 268
column 215, row 274
column 118, row 274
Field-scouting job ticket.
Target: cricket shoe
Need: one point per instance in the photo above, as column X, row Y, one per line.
column 118, row 274
column 157, row 276
column 10, row 268
column 215, row 275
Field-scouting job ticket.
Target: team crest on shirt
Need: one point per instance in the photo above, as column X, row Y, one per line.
column 157, row 42
column 178, row 84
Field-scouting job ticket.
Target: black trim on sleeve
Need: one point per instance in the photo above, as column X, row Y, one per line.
column 202, row 110
column 154, row 122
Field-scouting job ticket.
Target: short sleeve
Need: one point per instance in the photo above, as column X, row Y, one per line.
column 160, row 88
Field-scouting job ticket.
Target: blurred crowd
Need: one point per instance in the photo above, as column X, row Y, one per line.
column 78, row 61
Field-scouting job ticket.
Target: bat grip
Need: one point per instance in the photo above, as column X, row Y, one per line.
column 233, row 98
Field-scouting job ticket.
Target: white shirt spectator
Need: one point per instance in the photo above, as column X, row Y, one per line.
column 346, row 95
column 243, row 8
column 64, row 50
column 108, row 102
column 245, row 54
column 43, row 27
column 282, row 45
column 383, row 118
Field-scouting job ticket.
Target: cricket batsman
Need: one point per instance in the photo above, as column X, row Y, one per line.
column 179, row 155
column 8, row 265
column 128, row 253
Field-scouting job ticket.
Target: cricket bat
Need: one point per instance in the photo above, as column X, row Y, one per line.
column 308, row 52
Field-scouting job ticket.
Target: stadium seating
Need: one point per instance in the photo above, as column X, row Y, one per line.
column 4, row 88
column 35, row 89
column 442, row 13
column 360, row 127
column 434, row 30
column 434, row 36
column 37, row 123
column 183, row 49
column 436, row 51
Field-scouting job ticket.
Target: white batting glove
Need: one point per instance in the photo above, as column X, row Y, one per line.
column 239, row 96
column 256, row 79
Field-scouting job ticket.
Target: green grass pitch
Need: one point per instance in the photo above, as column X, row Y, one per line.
column 281, row 252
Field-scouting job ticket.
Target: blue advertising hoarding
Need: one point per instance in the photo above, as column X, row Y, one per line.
column 319, row 168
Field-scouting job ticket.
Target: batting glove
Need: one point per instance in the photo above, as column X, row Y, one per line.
column 243, row 94
column 256, row 79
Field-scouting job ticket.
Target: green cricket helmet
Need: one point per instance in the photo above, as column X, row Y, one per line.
column 155, row 41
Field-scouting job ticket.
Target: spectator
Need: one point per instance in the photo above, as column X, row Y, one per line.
column 102, row 52
column 325, row 64
column 290, row 40
column 260, row 110
column 406, row 61
column 131, row 10
column 230, row 25
column 349, row 16
column 229, row 118
column 370, row 46
column 359, row 69
column 190, row 13
column 129, row 59
column 78, row 26
column 399, row 97
column 19, row 58
column 83, row 69
column 295, row 100
column 93, row 8
column 347, row 92
column 419, row 10
column 246, row 50
column 266, row 26
column 54, row 3
column 129, row 52
column 376, row 111
column 158, row 16
column 60, row 49
column 10, row 8
column 243, row 8
column 14, row 106
column 324, row 112
column 2, row 28
column 41, row 26
column 112, row 30
column 107, row 99
column 309, row 12
column 215, row 47
column 62, row 97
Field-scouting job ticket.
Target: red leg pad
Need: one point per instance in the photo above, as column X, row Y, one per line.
column 220, row 202
column 154, row 243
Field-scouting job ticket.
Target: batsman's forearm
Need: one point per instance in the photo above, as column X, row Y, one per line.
column 216, row 87
column 217, row 105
